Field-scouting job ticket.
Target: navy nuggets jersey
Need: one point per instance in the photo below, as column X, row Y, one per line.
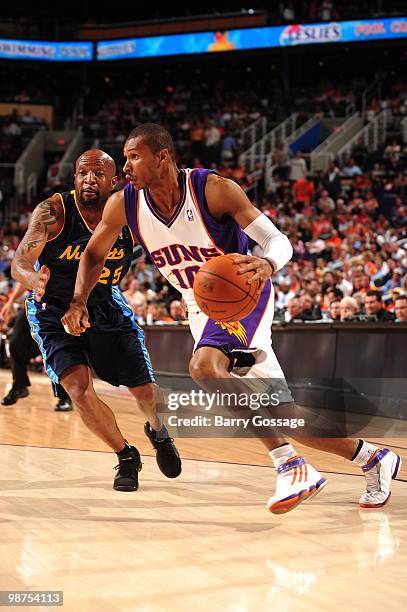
column 62, row 254
column 180, row 245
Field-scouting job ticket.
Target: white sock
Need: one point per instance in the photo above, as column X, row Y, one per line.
column 365, row 453
column 281, row 454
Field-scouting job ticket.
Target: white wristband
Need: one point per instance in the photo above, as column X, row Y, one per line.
column 276, row 246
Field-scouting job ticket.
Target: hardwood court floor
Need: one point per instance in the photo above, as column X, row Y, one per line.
column 202, row 542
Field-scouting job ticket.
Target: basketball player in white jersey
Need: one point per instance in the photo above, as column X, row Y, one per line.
column 183, row 218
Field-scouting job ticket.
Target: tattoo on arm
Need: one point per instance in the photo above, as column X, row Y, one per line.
column 48, row 216
column 44, row 216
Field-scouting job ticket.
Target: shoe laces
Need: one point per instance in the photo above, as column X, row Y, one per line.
column 126, row 464
column 163, row 440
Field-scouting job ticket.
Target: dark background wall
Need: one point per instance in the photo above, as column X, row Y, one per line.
column 323, row 350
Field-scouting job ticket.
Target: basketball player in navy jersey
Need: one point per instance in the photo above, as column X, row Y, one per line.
column 59, row 231
column 183, row 218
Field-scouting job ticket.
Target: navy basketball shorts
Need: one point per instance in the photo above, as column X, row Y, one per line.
column 113, row 346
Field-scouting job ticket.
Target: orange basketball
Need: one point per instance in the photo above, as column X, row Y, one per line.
column 223, row 294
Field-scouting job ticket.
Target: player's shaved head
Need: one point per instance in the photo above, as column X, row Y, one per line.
column 98, row 157
column 95, row 178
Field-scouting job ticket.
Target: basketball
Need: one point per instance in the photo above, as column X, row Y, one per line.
column 223, row 294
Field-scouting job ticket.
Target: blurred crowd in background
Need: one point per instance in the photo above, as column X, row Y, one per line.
column 347, row 227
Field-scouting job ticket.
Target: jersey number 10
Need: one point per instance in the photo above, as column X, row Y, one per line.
column 186, row 276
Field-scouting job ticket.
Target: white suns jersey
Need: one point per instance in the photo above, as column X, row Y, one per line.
column 181, row 244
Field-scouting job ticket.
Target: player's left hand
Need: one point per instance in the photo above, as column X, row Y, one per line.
column 250, row 263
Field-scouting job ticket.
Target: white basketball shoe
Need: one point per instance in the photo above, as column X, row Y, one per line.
column 297, row 481
column 382, row 467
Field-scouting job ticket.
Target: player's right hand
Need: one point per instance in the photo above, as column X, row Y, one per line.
column 39, row 282
column 76, row 319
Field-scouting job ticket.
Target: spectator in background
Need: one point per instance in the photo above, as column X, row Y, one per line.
column 284, row 295
column 344, row 285
column 288, row 11
column 334, row 310
column 298, row 167
column 327, row 11
column 334, row 293
column 309, row 311
column 53, row 179
column 348, row 308
column 157, row 313
column 293, row 310
column 394, row 281
column 303, row 191
column 325, row 202
column 134, row 295
column 212, row 142
column 197, row 140
column 400, row 308
column 27, row 118
column 4, row 283
column 392, row 155
column 144, row 273
column 361, row 282
column 374, row 307
column 351, row 169
column 228, row 147
column 280, row 159
column 141, row 313
column 388, row 198
column 331, row 180
column 177, row 311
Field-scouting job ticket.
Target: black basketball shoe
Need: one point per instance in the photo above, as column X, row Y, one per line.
column 14, row 395
column 128, row 468
column 167, row 456
column 63, row 405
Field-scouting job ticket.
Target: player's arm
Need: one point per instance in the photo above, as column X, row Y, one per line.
column 46, row 222
column 103, row 238
column 225, row 197
column 75, row 320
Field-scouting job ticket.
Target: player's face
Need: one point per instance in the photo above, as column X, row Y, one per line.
column 94, row 181
column 142, row 166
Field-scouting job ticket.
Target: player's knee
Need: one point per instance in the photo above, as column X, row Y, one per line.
column 144, row 393
column 202, row 369
column 80, row 393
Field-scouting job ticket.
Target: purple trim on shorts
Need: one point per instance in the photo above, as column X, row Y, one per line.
column 229, row 236
column 285, row 467
column 214, row 335
column 370, row 464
